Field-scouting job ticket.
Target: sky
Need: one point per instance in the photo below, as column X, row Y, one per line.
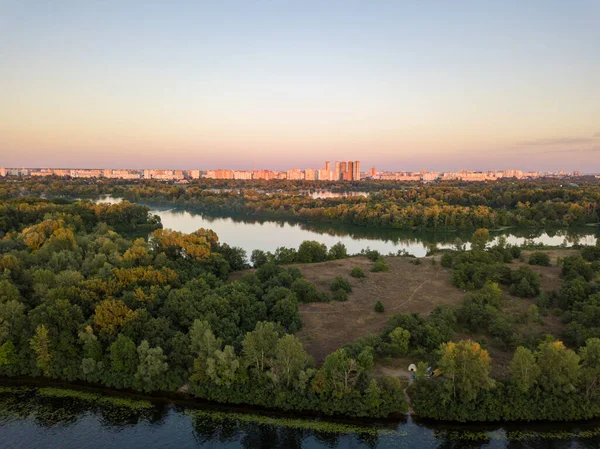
column 399, row 85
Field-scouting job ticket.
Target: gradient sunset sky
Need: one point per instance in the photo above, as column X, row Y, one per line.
column 399, row 85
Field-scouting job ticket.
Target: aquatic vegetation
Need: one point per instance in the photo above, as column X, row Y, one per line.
column 307, row 424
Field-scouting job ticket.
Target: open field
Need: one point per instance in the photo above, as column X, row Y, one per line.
column 405, row 288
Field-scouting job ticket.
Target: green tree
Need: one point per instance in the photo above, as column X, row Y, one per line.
column 8, row 354
column 151, row 368
column 123, row 361
column 290, row 359
column 399, row 340
column 559, row 367
column 223, row 367
column 480, row 239
column 42, row 347
column 260, row 345
column 203, row 342
column 466, row 366
column 524, row 369
column 590, row 368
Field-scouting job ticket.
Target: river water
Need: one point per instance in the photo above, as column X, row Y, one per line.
column 52, row 418
column 252, row 234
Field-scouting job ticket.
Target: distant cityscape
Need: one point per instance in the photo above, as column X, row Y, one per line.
column 338, row 171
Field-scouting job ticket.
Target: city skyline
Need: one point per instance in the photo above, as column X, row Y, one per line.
column 490, row 85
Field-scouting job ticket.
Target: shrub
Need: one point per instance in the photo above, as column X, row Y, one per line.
column 379, row 266
column 372, row 254
column 446, row 260
column 338, row 251
column 340, row 295
column 380, row 308
column 525, row 283
column 539, row 258
column 305, row 290
column 341, row 283
column 357, row 272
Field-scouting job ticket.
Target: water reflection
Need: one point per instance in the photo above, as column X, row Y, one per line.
column 31, row 419
column 250, row 233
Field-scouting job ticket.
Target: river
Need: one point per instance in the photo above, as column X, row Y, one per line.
column 252, row 234
column 35, row 417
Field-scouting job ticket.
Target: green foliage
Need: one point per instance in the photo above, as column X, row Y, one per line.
column 357, row 272
column 480, row 239
column 525, row 283
column 379, row 307
column 339, row 295
column 379, row 266
column 539, row 258
column 446, row 260
column 340, row 283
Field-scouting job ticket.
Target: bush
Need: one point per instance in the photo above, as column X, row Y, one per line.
column 372, row 254
column 341, row 283
column 357, row 272
column 305, row 290
column 525, row 283
column 338, row 251
column 446, row 261
column 340, row 295
column 379, row 266
column 379, row 307
column 539, row 258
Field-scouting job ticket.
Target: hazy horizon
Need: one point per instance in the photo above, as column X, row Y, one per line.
column 242, row 85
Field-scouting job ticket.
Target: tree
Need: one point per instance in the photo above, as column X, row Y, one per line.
column 123, row 361
column 379, row 307
column 151, row 368
column 111, row 314
column 466, row 366
column 203, row 342
column 559, row 367
column 260, row 345
column 311, row 251
column 524, row 369
column 290, row 359
column 8, row 354
column 222, row 367
column 41, row 346
column 258, row 258
column 338, row 251
column 590, row 368
column 341, row 372
column 12, row 312
column 480, row 239
column 399, row 340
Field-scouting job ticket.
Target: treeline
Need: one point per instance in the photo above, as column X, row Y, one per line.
column 443, row 206
column 80, row 301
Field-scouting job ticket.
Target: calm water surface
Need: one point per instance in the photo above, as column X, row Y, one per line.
column 269, row 235
column 29, row 418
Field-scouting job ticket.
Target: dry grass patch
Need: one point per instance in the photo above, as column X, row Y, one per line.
column 405, row 288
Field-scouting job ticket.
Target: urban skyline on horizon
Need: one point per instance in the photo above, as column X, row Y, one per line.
column 481, row 85
column 336, row 171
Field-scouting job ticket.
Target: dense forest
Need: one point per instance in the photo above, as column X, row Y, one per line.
column 439, row 206
column 86, row 296
column 102, row 294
